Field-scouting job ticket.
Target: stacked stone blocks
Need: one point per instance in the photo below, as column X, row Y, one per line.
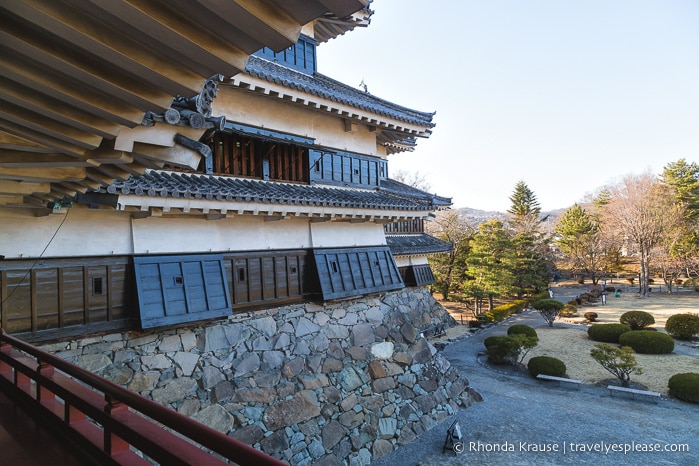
column 338, row 383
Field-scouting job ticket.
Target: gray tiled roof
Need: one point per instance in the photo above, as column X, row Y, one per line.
column 401, row 189
column 336, row 91
column 226, row 188
column 417, row 244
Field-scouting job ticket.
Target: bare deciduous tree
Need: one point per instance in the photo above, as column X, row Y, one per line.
column 450, row 226
column 414, row 179
column 640, row 213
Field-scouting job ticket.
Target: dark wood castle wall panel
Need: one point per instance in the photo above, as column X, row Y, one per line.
column 257, row 278
column 55, row 294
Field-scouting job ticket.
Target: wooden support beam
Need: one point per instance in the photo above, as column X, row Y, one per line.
column 44, row 81
column 40, row 175
column 157, row 25
column 40, row 122
column 85, row 69
column 21, row 159
column 113, row 172
column 60, row 188
column 248, row 19
column 111, row 45
column 10, row 200
column 153, row 164
column 177, row 155
column 89, row 184
column 74, row 186
column 11, row 142
column 133, row 168
column 57, row 145
column 103, row 155
column 99, row 177
column 13, row 187
column 56, row 110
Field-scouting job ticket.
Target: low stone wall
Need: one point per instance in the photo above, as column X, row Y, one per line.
column 339, row 383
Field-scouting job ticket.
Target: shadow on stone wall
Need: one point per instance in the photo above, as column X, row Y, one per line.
column 338, row 383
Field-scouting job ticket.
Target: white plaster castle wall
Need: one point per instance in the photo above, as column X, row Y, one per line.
column 404, row 261
column 189, row 235
column 83, row 233
column 344, row 234
column 87, row 232
column 328, row 130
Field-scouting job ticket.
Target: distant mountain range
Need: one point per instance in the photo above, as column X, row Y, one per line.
column 480, row 216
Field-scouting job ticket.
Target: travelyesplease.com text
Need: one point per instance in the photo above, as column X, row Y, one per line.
column 571, row 447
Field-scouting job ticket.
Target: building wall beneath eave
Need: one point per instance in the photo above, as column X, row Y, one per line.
column 77, row 232
column 344, row 234
column 405, row 261
column 277, row 115
column 85, row 232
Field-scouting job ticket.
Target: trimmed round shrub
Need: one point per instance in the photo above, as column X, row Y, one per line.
column 685, row 386
column 492, row 340
column 683, row 326
column 546, row 365
column 647, row 342
column 569, row 310
column 637, row 320
column 607, row 333
column 591, row 316
column 522, row 330
column 548, row 304
column 501, row 348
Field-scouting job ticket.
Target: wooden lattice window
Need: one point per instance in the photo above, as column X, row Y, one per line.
column 238, row 155
column 405, row 227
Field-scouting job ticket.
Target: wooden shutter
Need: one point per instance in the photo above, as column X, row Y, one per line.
column 356, row 271
column 177, row 289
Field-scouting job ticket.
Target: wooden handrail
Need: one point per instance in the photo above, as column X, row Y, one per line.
column 116, row 421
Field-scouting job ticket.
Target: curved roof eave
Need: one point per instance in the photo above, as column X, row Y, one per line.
column 323, row 93
column 161, row 189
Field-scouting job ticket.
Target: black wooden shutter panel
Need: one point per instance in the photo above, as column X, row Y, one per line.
column 356, row 271
column 178, row 289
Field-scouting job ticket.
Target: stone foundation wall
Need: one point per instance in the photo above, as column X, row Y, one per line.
column 339, row 383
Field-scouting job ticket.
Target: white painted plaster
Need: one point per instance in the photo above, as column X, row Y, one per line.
column 83, row 233
column 255, row 110
column 188, row 235
column 344, row 234
column 404, row 261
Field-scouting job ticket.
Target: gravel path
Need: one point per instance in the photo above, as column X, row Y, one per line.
column 520, row 415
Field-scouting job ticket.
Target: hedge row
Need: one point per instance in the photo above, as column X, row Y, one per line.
column 502, row 312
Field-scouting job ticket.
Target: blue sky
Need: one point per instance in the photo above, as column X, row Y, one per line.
column 566, row 95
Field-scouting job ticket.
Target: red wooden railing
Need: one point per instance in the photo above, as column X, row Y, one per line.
column 112, row 424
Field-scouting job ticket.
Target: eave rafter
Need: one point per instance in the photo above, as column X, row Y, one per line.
column 74, row 74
